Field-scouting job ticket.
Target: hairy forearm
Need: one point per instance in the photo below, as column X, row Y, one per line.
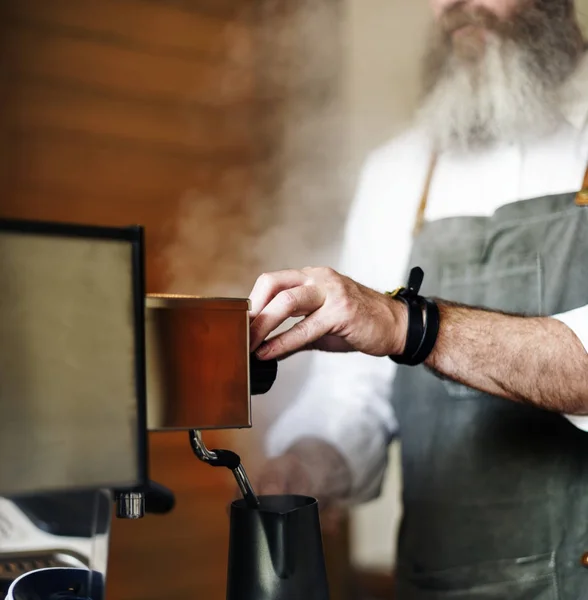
column 536, row 360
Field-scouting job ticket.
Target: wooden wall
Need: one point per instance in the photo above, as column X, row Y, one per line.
column 112, row 110
column 119, row 112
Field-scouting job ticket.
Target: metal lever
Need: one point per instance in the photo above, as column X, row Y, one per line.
column 228, row 459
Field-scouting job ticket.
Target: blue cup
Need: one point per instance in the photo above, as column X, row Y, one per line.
column 58, row 584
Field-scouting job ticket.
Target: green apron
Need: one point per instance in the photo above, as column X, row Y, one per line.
column 495, row 493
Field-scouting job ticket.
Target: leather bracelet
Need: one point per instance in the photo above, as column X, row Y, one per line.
column 415, row 330
column 423, row 321
column 431, row 331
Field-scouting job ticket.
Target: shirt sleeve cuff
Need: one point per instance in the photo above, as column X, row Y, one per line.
column 577, row 321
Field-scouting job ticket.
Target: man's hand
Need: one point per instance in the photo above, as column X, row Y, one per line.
column 340, row 315
column 310, row 468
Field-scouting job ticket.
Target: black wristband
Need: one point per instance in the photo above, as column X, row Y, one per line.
column 423, row 322
column 432, row 321
column 415, row 330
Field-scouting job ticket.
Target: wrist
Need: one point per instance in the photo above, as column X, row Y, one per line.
column 399, row 326
column 420, row 318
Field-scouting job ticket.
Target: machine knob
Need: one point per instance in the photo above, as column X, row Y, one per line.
column 262, row 374
column 130, row 505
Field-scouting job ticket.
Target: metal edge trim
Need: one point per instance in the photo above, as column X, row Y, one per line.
column 196, row 302
column 248, row 352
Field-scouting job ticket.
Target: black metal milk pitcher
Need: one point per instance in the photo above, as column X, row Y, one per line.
column 276, row 550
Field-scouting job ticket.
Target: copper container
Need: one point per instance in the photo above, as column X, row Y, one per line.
column 198, row 363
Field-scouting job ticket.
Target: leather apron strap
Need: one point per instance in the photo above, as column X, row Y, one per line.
column 420, row 216
column 581, row 196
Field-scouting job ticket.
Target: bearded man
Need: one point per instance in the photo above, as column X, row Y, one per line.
column 488, row 194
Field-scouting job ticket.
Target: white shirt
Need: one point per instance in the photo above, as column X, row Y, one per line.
column 346, row 399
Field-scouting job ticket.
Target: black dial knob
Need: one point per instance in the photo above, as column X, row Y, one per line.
column 262, row 374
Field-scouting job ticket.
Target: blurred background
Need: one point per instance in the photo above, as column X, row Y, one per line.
column 233, row 130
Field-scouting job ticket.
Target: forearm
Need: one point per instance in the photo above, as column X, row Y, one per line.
column 536, row 360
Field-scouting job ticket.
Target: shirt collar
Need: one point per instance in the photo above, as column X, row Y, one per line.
column 575, row 99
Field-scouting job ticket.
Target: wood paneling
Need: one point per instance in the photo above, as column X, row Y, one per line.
column 66, row 176
column 37, row 106
column 116, row 170
column 113, row 111
column 154, row 27
column 226, row 9
column 182, row 555
column 54, row 55
column 134, row 111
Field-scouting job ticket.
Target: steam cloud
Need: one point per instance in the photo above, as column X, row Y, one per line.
column 288, row 210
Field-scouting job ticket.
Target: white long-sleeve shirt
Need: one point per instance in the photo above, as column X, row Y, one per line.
column 346, row 399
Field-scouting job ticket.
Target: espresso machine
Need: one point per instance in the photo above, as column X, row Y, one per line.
column 89, row 364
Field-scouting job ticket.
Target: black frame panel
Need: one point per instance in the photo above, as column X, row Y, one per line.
column 134, row 235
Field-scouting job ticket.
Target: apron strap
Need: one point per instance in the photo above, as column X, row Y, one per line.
column 420, row 216
column 581, row 196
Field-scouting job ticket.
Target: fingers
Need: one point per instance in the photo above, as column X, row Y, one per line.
column 299, row 337
column 283, row 475
column 328, row 343
column 278, row 296
column 269, row 285
column 296, row 302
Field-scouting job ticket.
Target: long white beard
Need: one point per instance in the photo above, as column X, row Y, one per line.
column 499, row 98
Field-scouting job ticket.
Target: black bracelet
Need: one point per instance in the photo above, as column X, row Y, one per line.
column 432, row 322
column 415, row 330
column 423, row 321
